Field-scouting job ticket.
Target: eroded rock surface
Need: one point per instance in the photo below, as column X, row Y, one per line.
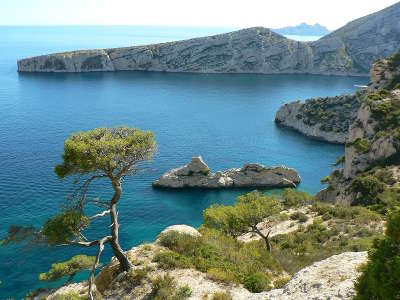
column 198, row 175
column 351, row 50
column 326, row 119
column 332, row 278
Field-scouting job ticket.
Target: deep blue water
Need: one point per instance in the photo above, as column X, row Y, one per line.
column 226, row 118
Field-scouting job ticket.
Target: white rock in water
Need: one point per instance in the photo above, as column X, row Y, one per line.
column 198, row 174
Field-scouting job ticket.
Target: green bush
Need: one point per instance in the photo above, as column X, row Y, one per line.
column 221, row 275
column 361, row 145
column 298, row 215
column 380, row 278
column 136, row 276
column 221, row 296
column 183, row 292
column 257, row 282
column 366, row 190
column 163, row 287
column 168, row 260
column 294, row 198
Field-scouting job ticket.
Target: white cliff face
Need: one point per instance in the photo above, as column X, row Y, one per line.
column 330, row 126
column 332, row 278
column 350, row 50
column 366, row 128
column 197, row 174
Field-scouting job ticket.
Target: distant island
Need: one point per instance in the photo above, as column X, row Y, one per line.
column 303, row 29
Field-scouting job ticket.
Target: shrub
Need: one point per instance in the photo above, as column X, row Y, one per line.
column 183, row 292
column 168, row 260
column 220, row 275
column 339, row 161
column 281, row 282
column 298, row 215
column 136, row 276
column 221, row 296
column 163, row 287
column 380, row 278
column 257, row 282
column 366, row 190
column 294, row 198
column 69, row 268
column 361, row 145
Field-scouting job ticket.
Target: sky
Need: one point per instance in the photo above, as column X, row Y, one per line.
column 203, row 13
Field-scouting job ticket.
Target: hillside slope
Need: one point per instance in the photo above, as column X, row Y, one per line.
column 350, row 50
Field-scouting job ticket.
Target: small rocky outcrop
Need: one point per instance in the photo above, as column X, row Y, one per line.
column 385, row 73
column 197, row 174
column 332, row 278
column 350, row 50
column 326, row 119
column 182, row 229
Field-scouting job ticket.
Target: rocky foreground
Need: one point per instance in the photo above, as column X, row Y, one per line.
column 350, row 50
column 197, row 174
column 332, row 278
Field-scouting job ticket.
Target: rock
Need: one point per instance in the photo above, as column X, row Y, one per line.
column 366, row 128
column 326, row 119
column 183, row 229
column 332, row 278
column 196, row 166
column 198, row 174
column 350, row 50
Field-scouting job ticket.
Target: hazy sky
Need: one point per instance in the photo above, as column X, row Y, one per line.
column 208, row 13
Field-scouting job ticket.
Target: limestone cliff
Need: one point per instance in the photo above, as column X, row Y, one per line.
column 372, row 153
column 326, row 119
column 349, row 50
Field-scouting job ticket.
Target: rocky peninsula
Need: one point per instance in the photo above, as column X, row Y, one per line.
column 350, row 50
column 197, row 174
column 326, row 119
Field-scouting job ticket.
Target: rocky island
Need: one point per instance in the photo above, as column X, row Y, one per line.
column 350, row 50
column 197, row 174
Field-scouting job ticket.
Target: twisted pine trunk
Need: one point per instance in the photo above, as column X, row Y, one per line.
column 125, row 264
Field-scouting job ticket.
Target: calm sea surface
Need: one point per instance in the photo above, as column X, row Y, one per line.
column 228, row 119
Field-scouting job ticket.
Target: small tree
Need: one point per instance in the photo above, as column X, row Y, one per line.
column 380, row 278
column 244, row 216
column 103, row 153
column 68, row 268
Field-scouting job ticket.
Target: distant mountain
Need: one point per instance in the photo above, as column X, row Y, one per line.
column 350, row 50
column 303, row 29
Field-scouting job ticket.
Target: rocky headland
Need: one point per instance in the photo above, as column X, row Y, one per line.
column 197, row 174
column 372, row 152
column 350, row 50
column 326, row 119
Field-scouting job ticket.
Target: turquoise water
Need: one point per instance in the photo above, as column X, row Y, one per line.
column 226, row 118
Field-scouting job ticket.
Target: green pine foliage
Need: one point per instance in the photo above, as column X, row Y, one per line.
column 69, row 268
column 380, row 278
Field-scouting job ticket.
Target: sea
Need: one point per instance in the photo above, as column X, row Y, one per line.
column 226, row 118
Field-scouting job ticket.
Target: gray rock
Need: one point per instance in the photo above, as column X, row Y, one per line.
column 198, row 174
column 326, row 119
column 332, row 278
column 350, row 50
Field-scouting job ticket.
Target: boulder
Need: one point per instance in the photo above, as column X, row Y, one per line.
column 183, row 229
column 198, row 175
